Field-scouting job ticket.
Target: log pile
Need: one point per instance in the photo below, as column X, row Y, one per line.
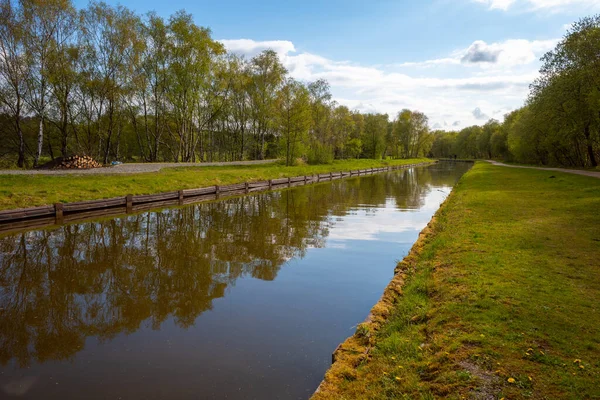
column 77, row 162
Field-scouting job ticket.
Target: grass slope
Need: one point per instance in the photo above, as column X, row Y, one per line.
column 34, row 190
column 500, row 300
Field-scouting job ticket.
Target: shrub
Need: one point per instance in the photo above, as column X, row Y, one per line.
column 319, row 154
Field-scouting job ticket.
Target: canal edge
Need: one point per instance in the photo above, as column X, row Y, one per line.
column 61, row 213
column 355, row 350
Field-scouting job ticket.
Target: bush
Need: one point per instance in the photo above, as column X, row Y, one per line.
column 319, row 154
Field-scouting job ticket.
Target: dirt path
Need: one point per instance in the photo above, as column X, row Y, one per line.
column 593, row 174
column 132, row 168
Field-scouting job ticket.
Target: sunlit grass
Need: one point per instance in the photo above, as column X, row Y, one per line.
column 505, row 299
column 33, row 190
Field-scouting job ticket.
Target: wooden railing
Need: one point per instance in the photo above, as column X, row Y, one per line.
column 59, row 213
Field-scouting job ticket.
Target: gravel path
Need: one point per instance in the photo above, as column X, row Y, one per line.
column 593, row 174
column 132, row 168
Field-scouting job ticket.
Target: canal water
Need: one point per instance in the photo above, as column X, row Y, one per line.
column 243, row 298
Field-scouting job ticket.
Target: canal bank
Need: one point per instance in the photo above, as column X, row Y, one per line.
column 497, row 299
column 20, row 191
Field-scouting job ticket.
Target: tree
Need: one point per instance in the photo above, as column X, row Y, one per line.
column 569, row 85
column 293, row 117
column 374, row 135
column 267, row 77
column 342, row 128
column 411, row 134
column 13, row 70
column 48, row 25
column 112, row 47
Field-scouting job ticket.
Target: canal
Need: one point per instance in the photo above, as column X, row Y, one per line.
column 243, row 298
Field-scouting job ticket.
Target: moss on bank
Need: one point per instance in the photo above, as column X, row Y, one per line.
column 34, row 190
column 499, row 298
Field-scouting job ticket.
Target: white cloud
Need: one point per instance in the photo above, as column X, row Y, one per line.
column 251, row 48
column 508, row 53
column 533, row 5
column 446, row 89
column 497, row 4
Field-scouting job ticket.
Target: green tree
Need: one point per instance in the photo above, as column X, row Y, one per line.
column 268, row 75
column 293, row 117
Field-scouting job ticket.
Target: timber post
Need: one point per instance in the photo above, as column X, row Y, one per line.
column 129, row 203
column 180, row 197
column 247, row 187
column 58, row 212
column 217, row 191
column 270, row 184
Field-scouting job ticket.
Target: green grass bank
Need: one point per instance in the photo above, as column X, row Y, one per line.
column 498, row 299
column 18, row 191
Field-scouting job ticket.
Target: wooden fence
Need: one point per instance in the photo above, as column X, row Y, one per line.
column 27, row 218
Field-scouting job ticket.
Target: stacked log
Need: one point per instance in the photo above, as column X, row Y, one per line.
column 78, row 162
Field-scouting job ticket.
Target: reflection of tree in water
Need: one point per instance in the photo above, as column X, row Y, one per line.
column 58, row 287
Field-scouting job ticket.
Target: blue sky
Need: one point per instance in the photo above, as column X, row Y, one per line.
column 459, row 61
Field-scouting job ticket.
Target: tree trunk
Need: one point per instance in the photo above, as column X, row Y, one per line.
column 40, row 142
column 107, row 148
column 590, row 148
column 64, row 134
column 21, row 160
column 50, row 150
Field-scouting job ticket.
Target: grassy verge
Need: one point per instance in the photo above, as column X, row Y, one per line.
column 500, row 298
column 593, row 169
column 33, row 190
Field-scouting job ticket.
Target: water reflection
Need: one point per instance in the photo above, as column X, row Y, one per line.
column 101, row 279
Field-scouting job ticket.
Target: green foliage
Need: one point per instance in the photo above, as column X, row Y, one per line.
column 293, row 118
column 375, row 133
column 410, row 134
column 354, row 148
column 319, row 154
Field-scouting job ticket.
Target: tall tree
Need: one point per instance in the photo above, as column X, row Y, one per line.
column 268, row 75
column 113, row 46
column 13, row 70
column 47, row 25
column 293, row 117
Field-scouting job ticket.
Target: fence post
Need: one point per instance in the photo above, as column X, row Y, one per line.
column 58, row 211
column 217, row 191
column 289, row 181
column 181, row 197
column 129, row 203
column 305, row 179
column 270, row 184
column 331, row 176
column 247, row 188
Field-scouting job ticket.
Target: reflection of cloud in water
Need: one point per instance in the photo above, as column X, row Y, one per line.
column 369, row 224
column 20, row 386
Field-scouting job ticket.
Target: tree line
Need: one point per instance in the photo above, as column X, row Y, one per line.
column 560, row 121
column 106, row 82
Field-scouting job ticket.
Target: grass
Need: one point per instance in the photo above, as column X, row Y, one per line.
column 18, row 191
column 499, row 299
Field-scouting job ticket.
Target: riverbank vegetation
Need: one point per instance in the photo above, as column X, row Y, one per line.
column 33, row 190
column 560, row 122
column 111, row 84
column 494, row 304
